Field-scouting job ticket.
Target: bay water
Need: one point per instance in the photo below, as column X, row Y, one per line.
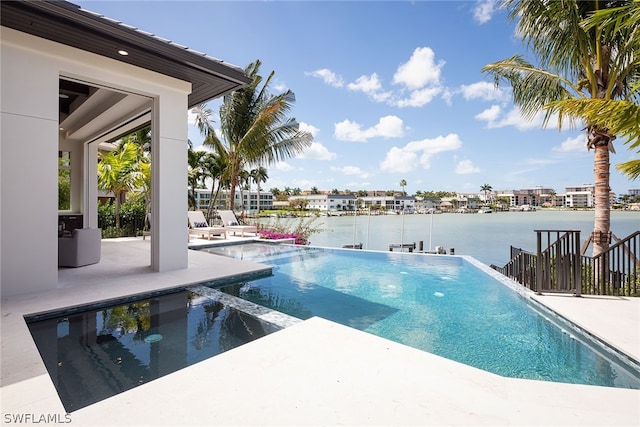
column 486, row 237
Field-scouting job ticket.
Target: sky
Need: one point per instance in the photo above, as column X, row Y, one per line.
column 390, row 91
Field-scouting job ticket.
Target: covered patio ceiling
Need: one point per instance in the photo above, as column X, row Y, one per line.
column 88, row 112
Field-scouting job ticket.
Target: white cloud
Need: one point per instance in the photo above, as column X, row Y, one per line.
column 328, row 76
column 317, row 151
column 204, row 148
column 418, row 98
column 484, row 10
column 420, row 152
column 305, row 127
column 496, row 118
column 465, row 167
column 283, row 166
column 572, row 145
column 482, row 90
column 387, row 127
column 399, row 160
column 491, row 114
column 351, row 170
column 420, row 70
column 366, row 84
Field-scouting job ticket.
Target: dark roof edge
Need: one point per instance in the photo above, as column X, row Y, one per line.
column 127, row 34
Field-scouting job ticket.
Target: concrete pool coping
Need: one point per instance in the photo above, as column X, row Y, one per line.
column 313, row 373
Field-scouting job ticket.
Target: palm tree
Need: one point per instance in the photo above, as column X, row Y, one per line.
column 275, row 191
column 255, row 128
column 576, row 63
column 243, row 181
column 620, row 116
column 213, row 167
column 314, row 190
column 119, row 172
column 403, row 184
column 259, row 175
column 195, row 174
column 486, row 188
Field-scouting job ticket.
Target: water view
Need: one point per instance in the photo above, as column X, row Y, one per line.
column 486, row 237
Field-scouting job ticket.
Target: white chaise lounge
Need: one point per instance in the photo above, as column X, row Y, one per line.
column 199, row 226
column 230, row 223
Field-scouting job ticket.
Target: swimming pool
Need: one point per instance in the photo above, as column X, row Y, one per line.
column 441, row 304
column 92, row 353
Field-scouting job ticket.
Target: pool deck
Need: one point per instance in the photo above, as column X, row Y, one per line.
column 315, row 372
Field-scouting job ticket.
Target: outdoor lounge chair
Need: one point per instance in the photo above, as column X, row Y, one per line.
column 231, row 223
column 198, row 226
column 82, row 247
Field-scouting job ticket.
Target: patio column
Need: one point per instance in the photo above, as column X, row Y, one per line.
column 169, row 182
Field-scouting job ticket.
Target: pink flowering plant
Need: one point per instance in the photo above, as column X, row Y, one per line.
column 299, row 232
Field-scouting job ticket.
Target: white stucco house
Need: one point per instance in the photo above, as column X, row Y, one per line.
column 70, row 80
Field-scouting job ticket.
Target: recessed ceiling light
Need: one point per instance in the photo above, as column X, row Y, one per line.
column 123, row 52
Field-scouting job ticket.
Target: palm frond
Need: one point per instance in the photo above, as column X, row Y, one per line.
column 620, row 117
column 631, row 169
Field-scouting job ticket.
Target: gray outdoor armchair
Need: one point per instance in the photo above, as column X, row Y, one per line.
column 82, row 247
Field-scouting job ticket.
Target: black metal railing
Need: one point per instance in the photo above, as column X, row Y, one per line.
column 559, row 266
column 615, row 271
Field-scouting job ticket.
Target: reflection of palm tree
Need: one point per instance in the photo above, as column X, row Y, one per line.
column 577, row 63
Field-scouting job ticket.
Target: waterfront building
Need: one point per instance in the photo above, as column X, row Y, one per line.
column 390, row 203
column 327, row 202
column 244, row 200
column 426, row 204
column 583, row 196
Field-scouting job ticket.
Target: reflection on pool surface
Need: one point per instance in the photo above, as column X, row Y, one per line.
column 97, row 353
column 441, row 304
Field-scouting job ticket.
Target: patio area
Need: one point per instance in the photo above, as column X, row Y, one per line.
column 313, row 373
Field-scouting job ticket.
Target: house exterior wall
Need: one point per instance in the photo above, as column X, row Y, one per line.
column 30, row 72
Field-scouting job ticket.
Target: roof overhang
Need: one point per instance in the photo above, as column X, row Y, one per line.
column 68, row 24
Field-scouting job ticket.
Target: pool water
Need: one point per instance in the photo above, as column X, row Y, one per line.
column 93, row 354
column 441, row 304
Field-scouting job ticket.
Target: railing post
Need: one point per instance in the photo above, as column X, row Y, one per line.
column 539, row 263
column 577, row 262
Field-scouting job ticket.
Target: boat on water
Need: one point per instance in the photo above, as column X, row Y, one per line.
column 485, row 209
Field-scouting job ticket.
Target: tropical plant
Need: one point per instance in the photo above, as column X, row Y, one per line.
column 214, row 167
column 195, row 174
column 486, row 188
column 403, row 183
column 255, row 129
column 620, row 116
column 300, row 230
column 575, row 63
column 119, row 171
column 64, row 185
column 259, row 175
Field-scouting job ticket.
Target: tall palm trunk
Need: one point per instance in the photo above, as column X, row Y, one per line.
column 602, row 224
